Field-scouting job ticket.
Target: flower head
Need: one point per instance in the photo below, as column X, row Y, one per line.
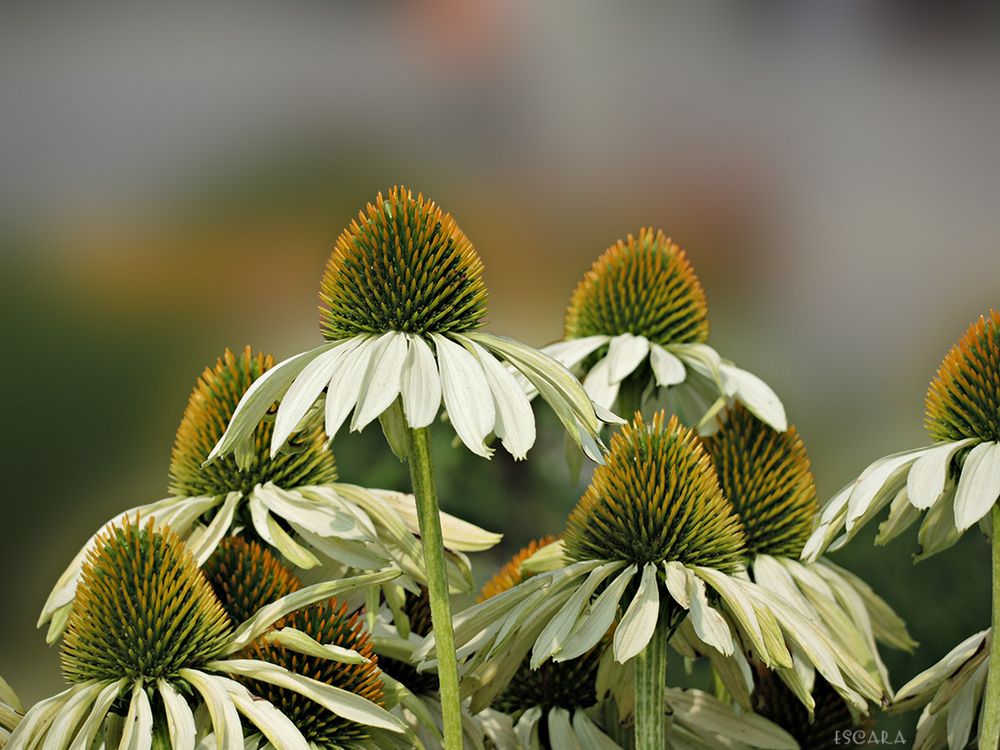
column 644, row 286
column 402, row 299
column 403, row 265
column 143, row 609
column 209, row 409
column 766, row 476
column 963, row 400
column 656, row 499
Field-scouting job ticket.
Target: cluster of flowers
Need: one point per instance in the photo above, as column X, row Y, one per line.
column 185, row 623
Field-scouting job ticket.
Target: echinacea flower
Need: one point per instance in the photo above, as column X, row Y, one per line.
column 766, row 476
column 650, row 541
column 11, row 711
column 636, row 328
column 956, row 479
column 403, row 298
column 951, row 694
column 292, row 500
column 148, row 644
column 553, row 705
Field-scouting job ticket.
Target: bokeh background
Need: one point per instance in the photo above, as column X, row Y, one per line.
column 173, row 176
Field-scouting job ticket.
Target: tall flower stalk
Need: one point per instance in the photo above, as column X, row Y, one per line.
column 402, row 299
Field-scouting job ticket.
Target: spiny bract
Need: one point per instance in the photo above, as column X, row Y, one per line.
column 656, row 498
column 305, row 461
column 963, row 401
column 143, row 609
column 569, row 684
column 246, row 576
column 403, row 265
column 644, row 286
column 329, row 623
column 765, row 474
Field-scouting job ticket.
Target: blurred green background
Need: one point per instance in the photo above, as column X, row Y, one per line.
column 174, row 177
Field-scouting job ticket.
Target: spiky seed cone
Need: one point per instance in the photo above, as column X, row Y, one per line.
column 641, row 285
column 403, row 265
column 142, row 609
column 418, row 612
column 570, row 684
column 246, row 576
column 331, row 624
column 963, row 400
column 765, row 474
column 773, row 700
column 656, row 498
column 214, row 398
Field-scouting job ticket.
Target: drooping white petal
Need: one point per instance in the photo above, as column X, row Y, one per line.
column 345, row 384
column 39, row 717
column 921, row 687
column 340, row 702
column 515, row 422
column 467, row 394
column 589, row 735
column 592, row 628
column 561, row 735
column 180, row 719
column 383, row 379
column 205, row 545
column 225, row 718
column 303, row 392
column 701, row 358
column 925, row 482
column 625, row 353
column 320, row 518
column 878, row 484
column 677, row 582
column 756, row 395
column 667, row 369
column 599, row 385
column 138, row 733
column 571, row 352
column 962, row 708
column 639, row 621
column 303, row 643
column 260, row 396
column 459, row 535
column 275, row 726
column 70, row 715
column 99, row 710
column 978, row 485
column 421, row 388
column 710, row 626
column 706, row 712
column 526, row 729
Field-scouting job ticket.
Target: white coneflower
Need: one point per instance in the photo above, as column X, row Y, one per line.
column 148, row 644
column 291, row 501
column 766, row 476
column 956, row 480
column 649, row 543
column 11, row 711
column 951, row 694
column 636, row 329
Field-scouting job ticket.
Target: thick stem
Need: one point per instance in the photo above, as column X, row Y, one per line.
column 422, row 477
column 651, row 718
column 989, row 739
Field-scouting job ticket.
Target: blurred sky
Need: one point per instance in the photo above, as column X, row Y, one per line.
column 174, row 175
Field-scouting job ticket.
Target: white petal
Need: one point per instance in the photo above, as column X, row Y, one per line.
column 345, row 385
column 590, row 737
column 515, row 422
column 677, row 583
column 706, row 712
column 667, row 368
column 203, row 548
column 383, row 379
column 303, row 392
column 69, row 717
column 260, row 396
column 625, row 353
column 572, row 352
column 710, row 626
column 467, row 394
column 701, row 358
column 756, row 396
column 639, row 621
column 599, row 386
column 458, row 535
column 225, row 718
column 561, row 735
column 180, row 719
column 593, row 627
column 878, row 481
column 978, row 486
column 278, row 728
column 925, row 482
column 320, row 518
column 964, row 706
column 421, row 384
column 138, row 733
column 303, row 643
column 98, row 712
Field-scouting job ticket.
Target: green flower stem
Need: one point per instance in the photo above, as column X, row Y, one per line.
column 422, row 476
column 990, row 736
column 651, row 716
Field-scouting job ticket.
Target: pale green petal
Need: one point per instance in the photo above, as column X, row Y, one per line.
column 625, row 353
column 599, row 385
column 710, row 626
column 591, row 628
column 225, row 718
column 98, row 712
column 466, row 394
column 561, row 735
column 39, row 717
column 205, row 545
column 588, row 734
column 458, row 535
column 275, row 726
column 302, row 643
column 383, row 379
column 180, row 719
column 978, row 485
column 902, row 515
column 919, row 690
column 526, row 729
column 878, row 484
column 938, row 531
column 639, row 621
column 421, row 388
column 964, row 707
column 322, row 518
column 549, row 557
column 70, row 715
column 706, row 713
column 677, row 582
column 138, row 734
